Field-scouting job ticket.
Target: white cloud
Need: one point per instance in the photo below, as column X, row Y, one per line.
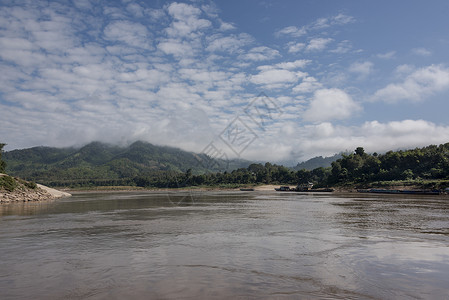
column 403, row 134
column 295, row 47
column 182, row 11
column 361, row 68
column 340, row 19
column 420, row 84
column 133, row 34
column 279, row 75
column 321, row 23
column 387, row 55
column 327, row 139
column 135, row 9
column 83, row 4
column 69, row 78
column 421, row 51
column 302, row 142
column 318, row 44
column 342, row 47
column 155, row 14
column 224, row 26
column 330, row 104
column 260, row 53
column 405, row 69
column 186, row 20
column 176, row 48
column 292, row 31
column 275, row 78
column 308, row 85
column 231, row 43
column 291, row 65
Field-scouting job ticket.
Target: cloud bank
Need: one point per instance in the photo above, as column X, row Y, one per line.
column 178, row 74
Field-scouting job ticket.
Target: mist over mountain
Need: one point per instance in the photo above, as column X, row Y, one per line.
column 101, row 162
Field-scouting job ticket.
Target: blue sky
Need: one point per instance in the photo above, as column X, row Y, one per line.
column 331, row 75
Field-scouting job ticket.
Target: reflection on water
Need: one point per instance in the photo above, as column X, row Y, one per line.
column 217, row 245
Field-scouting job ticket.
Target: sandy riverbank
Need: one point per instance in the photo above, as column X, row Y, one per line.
column 54, row 193
column 23, row 191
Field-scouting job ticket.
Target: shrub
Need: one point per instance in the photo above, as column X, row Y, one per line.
column 8, row 183
column 30, row 184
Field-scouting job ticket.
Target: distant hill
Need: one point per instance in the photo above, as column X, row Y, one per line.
column 103, row 164
column 317, row 162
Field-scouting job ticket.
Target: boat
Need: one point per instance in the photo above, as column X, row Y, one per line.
column 247, row 189
column 284, row 189
column 421, row 192
column 303, row 188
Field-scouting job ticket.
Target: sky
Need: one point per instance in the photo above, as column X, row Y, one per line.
column 279, row 81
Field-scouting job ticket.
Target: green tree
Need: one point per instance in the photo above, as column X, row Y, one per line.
column 2, row 163
column 360, row 151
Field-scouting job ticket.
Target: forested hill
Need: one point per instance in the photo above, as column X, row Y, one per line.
column 431, row 162
column 146, row 165
column 103, row 164
column 317, row 162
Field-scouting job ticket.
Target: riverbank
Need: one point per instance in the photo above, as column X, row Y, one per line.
column 265, row 187
column 14, row 189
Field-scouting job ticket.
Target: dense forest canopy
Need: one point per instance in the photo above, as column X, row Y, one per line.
column 146, row 165
column 104, row 164
column 357, row 168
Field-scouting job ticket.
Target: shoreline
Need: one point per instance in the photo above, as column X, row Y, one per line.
column 24, row 191
column 268, row 187
column 257, row 188
column 119, row 189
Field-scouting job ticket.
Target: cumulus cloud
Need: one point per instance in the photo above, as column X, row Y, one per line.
column 302, row 142
column 327, row 139
column 318, row 44
column 321, row 23
column 133, row 34
column 279, row 75
column 421, row 51
column 342, row 47
column 178, row 75
column 230, row 44
column 295, row 47
column 330, row 104
column 186, row 20
column 308, row 85
column 275, row 78
column 291, row 65
column 387, row 55
column 224, row 26
column 416, row 86
column 260, row 53
column 361, row 68
column 292, row 31
column 340, row 19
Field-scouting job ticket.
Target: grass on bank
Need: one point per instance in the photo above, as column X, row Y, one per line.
column 10, row 184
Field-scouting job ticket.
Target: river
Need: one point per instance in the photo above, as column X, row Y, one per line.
column 222, row 245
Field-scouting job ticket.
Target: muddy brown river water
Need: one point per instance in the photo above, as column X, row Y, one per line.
column 222, row 245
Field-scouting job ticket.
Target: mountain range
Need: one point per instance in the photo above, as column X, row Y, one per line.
column 104, row 164
column 97, row 162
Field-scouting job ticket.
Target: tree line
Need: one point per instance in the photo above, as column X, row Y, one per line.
column 359, row 167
